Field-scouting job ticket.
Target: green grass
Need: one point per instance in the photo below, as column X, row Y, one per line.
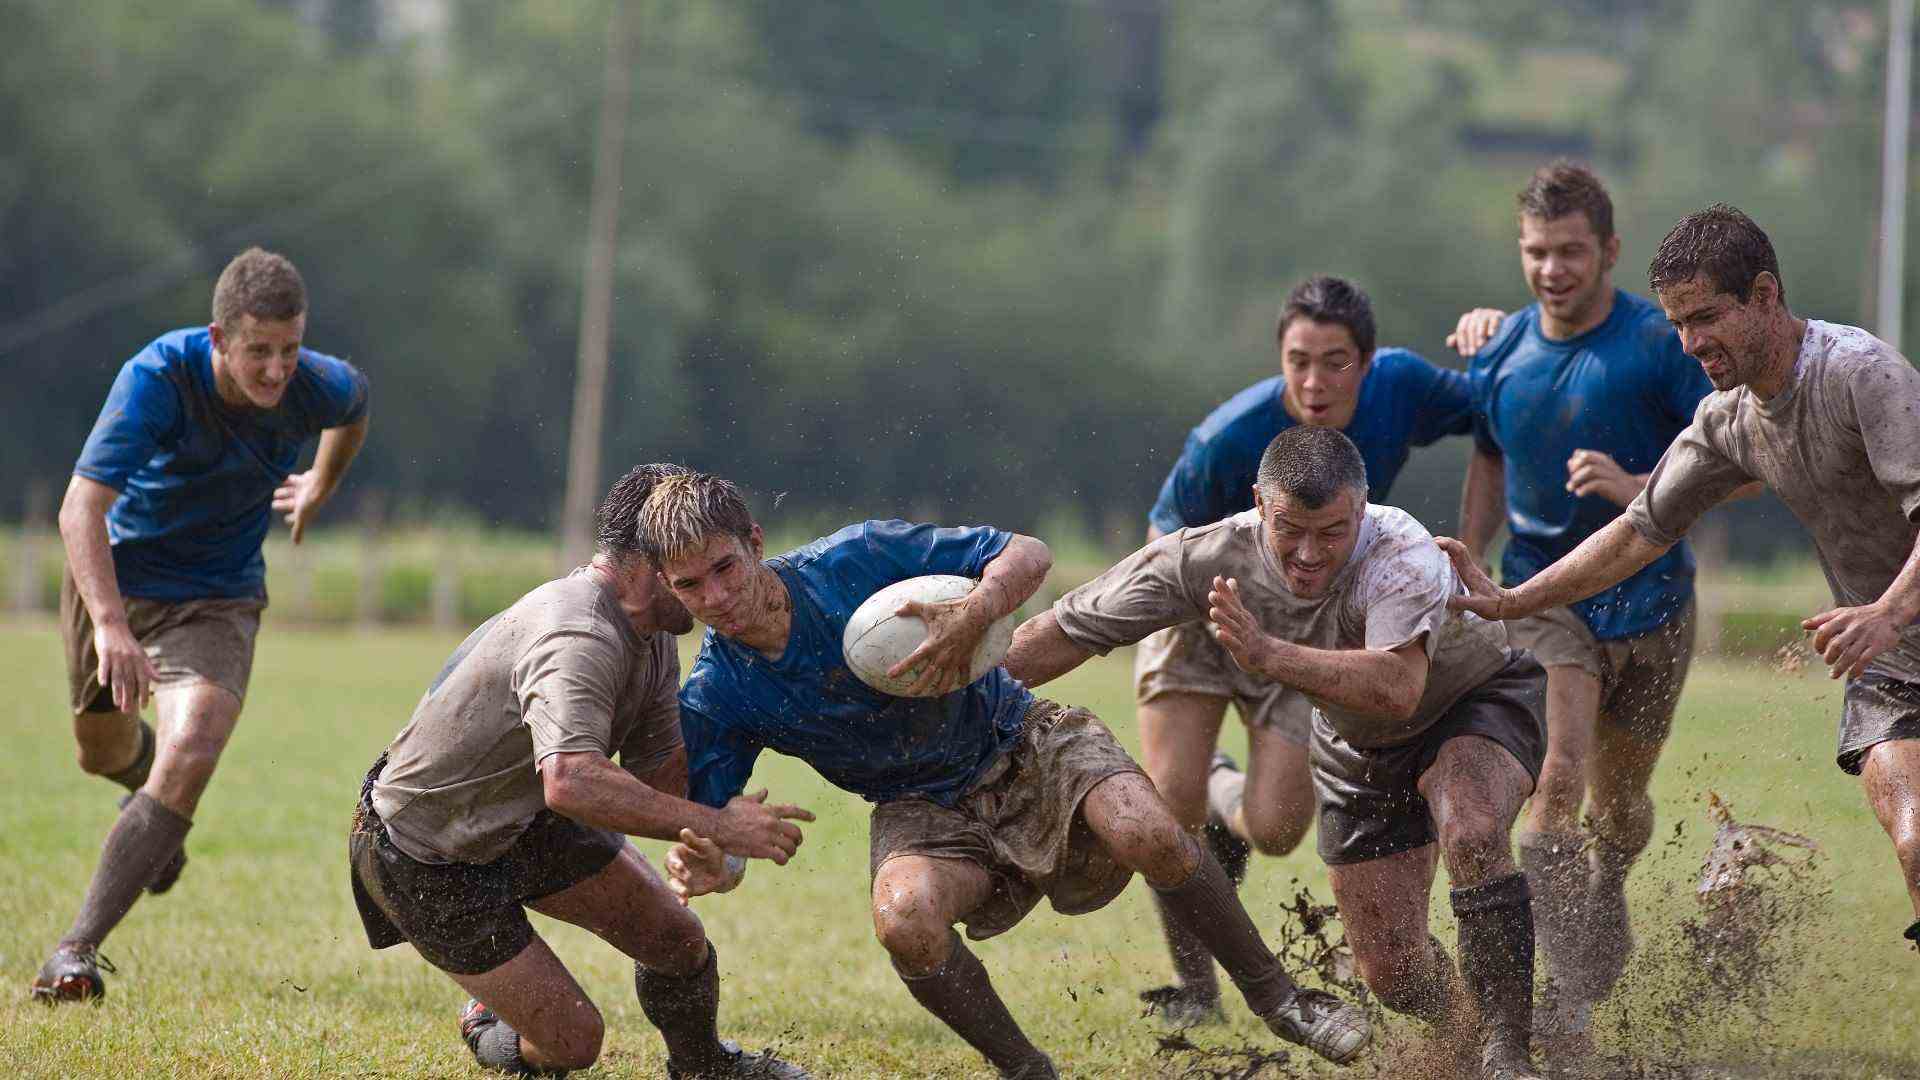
column 255, row 964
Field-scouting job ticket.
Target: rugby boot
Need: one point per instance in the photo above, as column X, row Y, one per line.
column 1182, row 1007
column 737, row 1064
column 1040, row 1068
column 495, row 1045
column 72, row 973
column 1336, row 1030
column 1230, row 851
column 169, row 873
column 1504, row 1058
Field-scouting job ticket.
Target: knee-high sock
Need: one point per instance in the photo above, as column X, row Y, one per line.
column 134, row 776
column 146, row 835
column 1496, row 953
column 1556, row 867
column 961, row 995
column 1192, row 963
column 1208, row 908
column 686, row 1009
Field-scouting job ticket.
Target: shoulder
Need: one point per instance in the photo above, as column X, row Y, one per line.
column 1504, row 343
column 1253, row 407
column 1401, row 552
column 575, row 604
column 171, row 355
column 711, row 682
column 1223, row 546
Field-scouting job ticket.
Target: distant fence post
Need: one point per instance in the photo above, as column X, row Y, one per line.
column 373, row 512
column 34, row 517
column 446, row 582
column 1710, row 544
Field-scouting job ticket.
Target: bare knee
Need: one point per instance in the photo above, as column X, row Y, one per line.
column 1904, row 831
column 912, row 931
column 185, row 766
column 675, row 945
column 1156, row 849
column 1277, row 831
column 577, row 1040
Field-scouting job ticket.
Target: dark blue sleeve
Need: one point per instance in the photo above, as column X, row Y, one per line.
column 719, row 760
column 913, row 550
column 340, row 393
column 1187, row 496
column 141, row 409
column 1444, row 402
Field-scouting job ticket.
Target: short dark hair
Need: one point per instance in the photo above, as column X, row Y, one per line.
column 1564, row 187
column 617, row 523
column 1311, row 465
column 1328, row 299
column 1722, row 243
column 686, row 509
column 259, row 283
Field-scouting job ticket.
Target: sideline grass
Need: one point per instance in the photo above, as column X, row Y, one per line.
column 255, row 964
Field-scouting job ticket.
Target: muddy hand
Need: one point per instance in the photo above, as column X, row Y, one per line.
column 124, row 669
column 753, row 829
column 696, row 866
column 1483, row 597
column 942, row 660
column 1849, row 638
column 1235, row 627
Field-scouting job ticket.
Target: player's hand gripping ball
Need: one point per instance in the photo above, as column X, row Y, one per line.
column 877, row 637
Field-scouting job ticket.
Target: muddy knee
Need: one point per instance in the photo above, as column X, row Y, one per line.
column 1414, row 980
column 1276, row 831
column 915, row 936
column 576, row 1043
column 1476, row 848
column 1562, row 787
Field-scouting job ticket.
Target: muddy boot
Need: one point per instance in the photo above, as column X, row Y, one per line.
column 1496, row 962
column 1556, row 868
column 1610, row 930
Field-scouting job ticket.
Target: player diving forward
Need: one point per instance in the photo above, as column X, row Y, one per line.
column 501, row 794
column 1828, row 416
column 1387, row 401
column 1427, row 729
column 987, row 798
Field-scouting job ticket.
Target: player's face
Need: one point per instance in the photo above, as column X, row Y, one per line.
column 665, row 609
column 1323, row 368
column 719, row 584
column 1727, row 337
column 1312, row 544
column 1568, row 268
column 254, row 362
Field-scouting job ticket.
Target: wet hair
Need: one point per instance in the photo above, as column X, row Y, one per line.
column 1328, row 299
column 616, row 526
column 687, row 509
column 1311, row 465
column 1725, row 245
column 1565, row 187
column 259, row 283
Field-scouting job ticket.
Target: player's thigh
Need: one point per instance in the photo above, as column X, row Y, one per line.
column 1279, row 799
column 1178, row 733
column 1383, row 907
column 196, row 721
column 536, row 996
column 1573, row 705
column 628, row 905
column 1890, row 773
column 1474, row 790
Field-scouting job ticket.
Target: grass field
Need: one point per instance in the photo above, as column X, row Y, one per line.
column 255, row 964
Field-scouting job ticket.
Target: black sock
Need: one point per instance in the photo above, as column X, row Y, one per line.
column 686, row 1009
column 1192, row 963
column 1206, row 906
column 134, row 776
column 961, row 995
column 1496, row 953
column 141, row 842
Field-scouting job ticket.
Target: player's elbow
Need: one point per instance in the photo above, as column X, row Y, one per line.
column 563, row 784
column 1036, row 556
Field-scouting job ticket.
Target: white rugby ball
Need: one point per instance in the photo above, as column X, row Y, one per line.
column 876, row 638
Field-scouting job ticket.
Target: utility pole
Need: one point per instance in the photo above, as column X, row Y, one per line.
column 1893, row 170
column 596, row 307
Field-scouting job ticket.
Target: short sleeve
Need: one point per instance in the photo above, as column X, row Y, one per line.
column 342, row 393
column 141, row 408
column 1405, row 596
column 1886, row 403
column 1187, row 496
column 719, row 759
column 1142, row 593
column 1444, row 402
column 655, row 734
column 567, row 683
column 1693, row 476
column 913, row 550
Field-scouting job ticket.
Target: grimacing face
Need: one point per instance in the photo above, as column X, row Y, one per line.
column 1727, row 337
column 717, row 583
column 254, row 360
column 1323, row 370
column 1568, row 269
column 1312, row 545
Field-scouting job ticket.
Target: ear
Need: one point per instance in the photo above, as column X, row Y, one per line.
column 1766, row 289
column 1259, row 502
column 218, row 336
column 1610, row 252
column 759, row 544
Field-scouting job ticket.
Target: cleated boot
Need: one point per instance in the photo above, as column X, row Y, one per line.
column 72, row 973
column 1504, row 1058
column 1334, row 1029
column 164, row 878
column 737, row 1064
column 1230, row 851
column 1182, row 1007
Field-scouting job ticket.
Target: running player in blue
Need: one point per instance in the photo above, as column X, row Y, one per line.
column 986, row 798
column 193, row 454
column 1386, row 401
column 1576, row 397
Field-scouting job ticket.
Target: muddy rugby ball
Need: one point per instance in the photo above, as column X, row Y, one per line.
column 876, row 638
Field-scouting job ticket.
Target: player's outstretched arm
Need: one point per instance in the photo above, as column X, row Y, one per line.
column 589, row 788
column 1384, row 683
column 301, row 494
column 954, row 627
column 1483, row 501
column 1042, row 651
column 1602, row 560
column 124, row 666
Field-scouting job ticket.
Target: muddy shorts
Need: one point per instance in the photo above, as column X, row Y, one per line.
column 1186, row 659
column 1021, row 822
column 189, row 641
column 1876, row 709
column 466, row 918
column 1640, row 677
column 1370, row 801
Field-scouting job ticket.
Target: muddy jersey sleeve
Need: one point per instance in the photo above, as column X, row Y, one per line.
column 1885, row 397
column 1142, row 593
column 655, row 733
column 1693, row 476
column 1404, row 597
column 568, row 683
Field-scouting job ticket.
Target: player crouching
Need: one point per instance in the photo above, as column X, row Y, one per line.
column 1427, row 728
column 987, row 799
column 501, row 795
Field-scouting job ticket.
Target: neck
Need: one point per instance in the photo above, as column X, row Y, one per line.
column 1782, row 349
column 774, row 607
column 1555, row 330
column 224, row 386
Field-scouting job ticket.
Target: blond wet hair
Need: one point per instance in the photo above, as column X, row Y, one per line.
column 686, row 510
